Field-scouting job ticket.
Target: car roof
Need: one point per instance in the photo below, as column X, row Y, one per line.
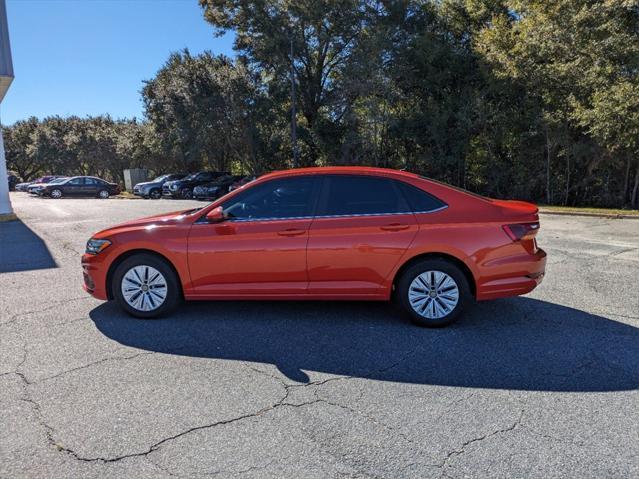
column 341, row 170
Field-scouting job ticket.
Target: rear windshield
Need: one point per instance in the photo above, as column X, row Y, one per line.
column 462, row 190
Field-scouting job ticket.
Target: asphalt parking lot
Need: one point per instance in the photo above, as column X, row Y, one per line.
column 538, row 386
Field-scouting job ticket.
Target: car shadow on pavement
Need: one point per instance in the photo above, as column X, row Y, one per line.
column 516, row 343
column 21, row 249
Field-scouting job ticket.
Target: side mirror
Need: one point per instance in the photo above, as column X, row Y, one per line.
column 216, row 215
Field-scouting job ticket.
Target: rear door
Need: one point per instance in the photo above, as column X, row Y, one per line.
column 362, row 227
column 91, row 187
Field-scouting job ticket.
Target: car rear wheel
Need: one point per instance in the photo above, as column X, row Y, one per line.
column 103, row 194
column 155, row 194
column 433, row 293
column 145, row 286
column 56, row 193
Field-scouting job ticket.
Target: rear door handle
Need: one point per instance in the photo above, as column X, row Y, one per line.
column 291, row 232
column 395, row 227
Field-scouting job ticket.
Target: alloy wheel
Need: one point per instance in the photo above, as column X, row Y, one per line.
column 433, row 294
column 144, row 288
column 56, row 194
column 104, row 194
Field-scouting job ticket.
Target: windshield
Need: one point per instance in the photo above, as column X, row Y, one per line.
column 160, row 178
column 57, row 181
column 190, row 177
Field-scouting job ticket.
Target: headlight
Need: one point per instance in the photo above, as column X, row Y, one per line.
column 95, row 246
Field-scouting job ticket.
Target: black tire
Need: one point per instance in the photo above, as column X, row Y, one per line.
column 174, row 292
column 55, row 193
column 434, row 265
column 104, row 194
column 155, row 194
column 186, row 194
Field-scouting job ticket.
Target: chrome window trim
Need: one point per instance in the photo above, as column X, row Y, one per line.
column 202, row 221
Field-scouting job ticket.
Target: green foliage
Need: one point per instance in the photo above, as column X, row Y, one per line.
column 76, row 146
column 533, row 99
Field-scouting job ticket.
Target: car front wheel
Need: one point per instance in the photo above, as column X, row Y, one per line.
column 433, row 293
column 145, row 286
column 56, row 193
column 187, row 194
column 155, row 194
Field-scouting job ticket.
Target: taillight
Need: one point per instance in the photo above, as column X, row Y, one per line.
column 519, row 231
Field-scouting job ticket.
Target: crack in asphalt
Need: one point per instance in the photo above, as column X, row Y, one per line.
column 462, row 449
column 50, row 432
column 99, row 361
column 55, row 305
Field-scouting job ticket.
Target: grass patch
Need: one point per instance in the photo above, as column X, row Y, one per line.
column 588, row 210
column 127, row 196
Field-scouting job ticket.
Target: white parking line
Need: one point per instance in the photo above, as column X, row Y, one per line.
column 57, row 210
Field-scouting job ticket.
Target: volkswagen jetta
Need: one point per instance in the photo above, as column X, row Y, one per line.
column 348, row 233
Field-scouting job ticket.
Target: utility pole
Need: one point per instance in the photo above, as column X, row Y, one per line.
column 6, row 77
column 293, row 107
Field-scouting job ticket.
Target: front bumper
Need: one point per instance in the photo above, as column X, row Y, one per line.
column 168, row 193
column 517, row 275
column 94, row 272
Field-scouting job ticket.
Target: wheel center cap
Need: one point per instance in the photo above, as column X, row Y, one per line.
column 432, row 294
column 145, row 288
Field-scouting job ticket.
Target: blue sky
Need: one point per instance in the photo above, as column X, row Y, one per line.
column 87, row 57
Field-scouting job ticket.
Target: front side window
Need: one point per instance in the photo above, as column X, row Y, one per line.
column 362, row 195
column 283, row 198
column 76, row 181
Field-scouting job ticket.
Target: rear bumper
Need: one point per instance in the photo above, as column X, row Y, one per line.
column 517, row 275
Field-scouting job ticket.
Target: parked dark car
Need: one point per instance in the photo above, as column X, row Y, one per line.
column 36, row 188
column 153, row 189
column 81, row 186
column 13, row 181
column 241, row 182
column 42, row 179
column 184, row 188
column 216, row 188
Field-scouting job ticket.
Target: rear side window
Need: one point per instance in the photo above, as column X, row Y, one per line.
column 419, row 200
column 361, row 195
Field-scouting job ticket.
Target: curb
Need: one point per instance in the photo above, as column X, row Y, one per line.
column 592, row 215
column 8, row 217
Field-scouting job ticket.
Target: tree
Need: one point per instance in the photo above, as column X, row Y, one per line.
column 203, row 111
column 19, row 158
column 563, row 52
column 314, row 37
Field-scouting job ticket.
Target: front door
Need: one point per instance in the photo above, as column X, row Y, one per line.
column 74, row 186
column 261, row 248
column 362, row 228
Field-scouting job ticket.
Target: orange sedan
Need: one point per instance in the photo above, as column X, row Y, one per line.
column 339, row 233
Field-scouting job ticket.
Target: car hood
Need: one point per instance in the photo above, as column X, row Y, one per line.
column 148, row 183
column 165, row 219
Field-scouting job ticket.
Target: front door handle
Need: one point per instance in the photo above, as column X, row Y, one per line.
column 395, row 227
column 291, row 232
